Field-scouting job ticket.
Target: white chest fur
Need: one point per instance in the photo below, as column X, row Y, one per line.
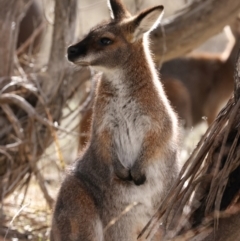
column 128, row 126
column 126, row 121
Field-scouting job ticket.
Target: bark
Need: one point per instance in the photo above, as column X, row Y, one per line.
column 191, row 27
column 11, row 13
column 30, row 104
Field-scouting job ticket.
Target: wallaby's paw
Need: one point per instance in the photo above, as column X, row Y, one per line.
column 138, row 176
column 121, row 172
column 139, row 180
column 124, row 175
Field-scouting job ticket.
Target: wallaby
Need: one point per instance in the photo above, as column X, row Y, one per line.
column 196, row 85
column 131, row 160
column 207, row 77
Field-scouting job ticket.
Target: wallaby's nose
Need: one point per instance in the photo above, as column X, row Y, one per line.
column 72, row 52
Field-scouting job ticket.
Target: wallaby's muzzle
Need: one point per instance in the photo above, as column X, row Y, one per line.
column 76, row 51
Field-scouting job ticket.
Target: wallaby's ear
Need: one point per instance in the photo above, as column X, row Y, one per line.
column 117, row 10
column 146, row 21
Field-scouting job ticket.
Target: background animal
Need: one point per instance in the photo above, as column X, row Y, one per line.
column 208, row 79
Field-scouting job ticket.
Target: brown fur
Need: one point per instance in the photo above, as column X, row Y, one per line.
column 204, row 85
column 207, row 78
column 74, row 195
column 177, row 94
column 179, row 98
column 197, row 86
column 131, row 159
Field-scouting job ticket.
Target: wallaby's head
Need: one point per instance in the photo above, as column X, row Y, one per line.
column 112, row 44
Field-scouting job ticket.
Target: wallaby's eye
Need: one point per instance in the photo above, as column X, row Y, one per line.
column 105, row 41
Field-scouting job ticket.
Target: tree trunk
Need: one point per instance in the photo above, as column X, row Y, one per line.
column 191, row 27
column 26, row 118
column 11, row 13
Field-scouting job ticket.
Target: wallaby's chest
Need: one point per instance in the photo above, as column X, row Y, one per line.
column 128, row 124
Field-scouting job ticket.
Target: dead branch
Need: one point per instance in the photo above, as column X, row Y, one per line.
column 191, row 27
column 30, row 105
column 31, row 39
column 11, row 13
column 208, row 184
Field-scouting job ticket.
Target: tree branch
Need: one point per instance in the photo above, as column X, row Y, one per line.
column 191, row 27
column 11, row 13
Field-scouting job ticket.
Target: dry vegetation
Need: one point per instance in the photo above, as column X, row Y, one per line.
column 208, row 184
column 40, row 110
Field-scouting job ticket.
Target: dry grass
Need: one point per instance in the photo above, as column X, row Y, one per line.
column 27, row 214
column 207, row 188
column 27, row 217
